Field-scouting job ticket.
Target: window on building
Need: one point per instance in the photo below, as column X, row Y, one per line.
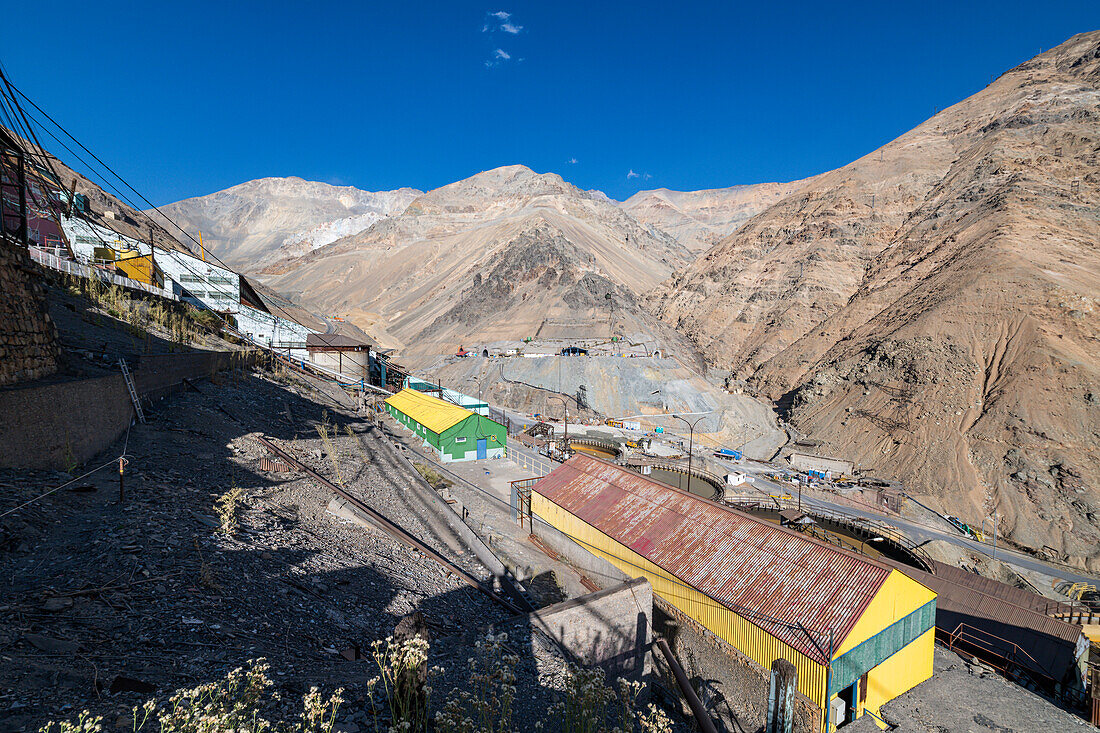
column 461, row 439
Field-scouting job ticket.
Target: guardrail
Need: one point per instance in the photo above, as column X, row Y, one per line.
column 851, row 521
column 69, row 267
column 541, row 466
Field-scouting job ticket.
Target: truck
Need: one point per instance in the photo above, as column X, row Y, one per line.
column 729, row 455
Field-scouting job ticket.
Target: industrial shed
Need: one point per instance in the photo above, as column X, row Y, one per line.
column 456, row 434
column 856, row 630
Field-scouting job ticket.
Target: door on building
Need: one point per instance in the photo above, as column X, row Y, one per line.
column 482, row 447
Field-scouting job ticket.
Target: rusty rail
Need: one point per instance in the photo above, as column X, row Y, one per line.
column 388, row 526
column 706, row 725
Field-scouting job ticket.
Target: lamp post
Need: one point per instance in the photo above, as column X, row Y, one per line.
column 863, row 544
column 691, row 440
column 992, row 520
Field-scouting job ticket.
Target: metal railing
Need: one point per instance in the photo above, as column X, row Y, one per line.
column 851, row 521
column 541, row 466
column 70, row 267
column 1014, row 660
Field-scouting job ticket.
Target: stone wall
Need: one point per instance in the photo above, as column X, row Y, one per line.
column 28, row 339
column 732, row 687
column 65, row 424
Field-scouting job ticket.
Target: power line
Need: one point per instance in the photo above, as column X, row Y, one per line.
column 136, row 208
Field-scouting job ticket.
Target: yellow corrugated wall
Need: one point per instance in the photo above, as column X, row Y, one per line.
column 901, row 672
column 899, row 596
column 751, row 640
column 137, row 268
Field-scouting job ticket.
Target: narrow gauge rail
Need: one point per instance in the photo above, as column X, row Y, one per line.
column 390, row 527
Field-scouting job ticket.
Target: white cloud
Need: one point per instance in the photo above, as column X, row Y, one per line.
column 572, row 161
column 501, row 54
column 631, row 174
column 501, row 14
column 485, row 28
column 647, row 176
column 509, row 28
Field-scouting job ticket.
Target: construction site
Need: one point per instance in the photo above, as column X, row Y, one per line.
column 200, row 476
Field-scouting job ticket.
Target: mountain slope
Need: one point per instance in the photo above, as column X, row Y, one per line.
column 929, row 310
column 488, row 258
column 245, row 224
column 700, row 219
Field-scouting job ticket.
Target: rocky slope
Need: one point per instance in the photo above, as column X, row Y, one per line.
column 930, row 309
column 700, row 219
column 489, row 258
column 248, row 224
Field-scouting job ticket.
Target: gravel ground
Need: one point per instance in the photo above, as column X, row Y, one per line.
column 149, row 589
column 969, row 697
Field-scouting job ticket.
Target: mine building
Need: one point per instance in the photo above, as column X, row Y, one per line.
column 859, row 632
column 452, row 431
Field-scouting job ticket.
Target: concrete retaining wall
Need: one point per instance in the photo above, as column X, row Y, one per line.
column 610, row 629
column 600, row 571
column 66, row 424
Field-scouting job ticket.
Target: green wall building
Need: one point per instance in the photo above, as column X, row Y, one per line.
column 455, row 433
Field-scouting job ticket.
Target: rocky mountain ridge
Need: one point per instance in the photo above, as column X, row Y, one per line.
column 246, row 225
column 501, row 252
column 700, row 219
column 929, row 309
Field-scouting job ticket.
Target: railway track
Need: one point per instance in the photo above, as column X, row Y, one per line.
column 389, row 527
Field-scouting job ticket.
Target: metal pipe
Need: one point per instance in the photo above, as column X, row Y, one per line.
column 706, row 725
column 394, row 530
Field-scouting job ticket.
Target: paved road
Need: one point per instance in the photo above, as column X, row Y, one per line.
column 921, row 533
column 914, row 530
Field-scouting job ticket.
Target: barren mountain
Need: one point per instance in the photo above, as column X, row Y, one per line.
column 930, row 310
column 700, row 219
column 489, row 258
column 246, row 224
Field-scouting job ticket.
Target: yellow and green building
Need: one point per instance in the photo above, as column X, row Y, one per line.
column 455, row 433
column 859, row 632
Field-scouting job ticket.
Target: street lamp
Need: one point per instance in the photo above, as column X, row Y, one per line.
column 863, row 544
column 691, row 440
column 993, row 520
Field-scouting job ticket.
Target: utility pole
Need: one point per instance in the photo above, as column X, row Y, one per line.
column 992, row 519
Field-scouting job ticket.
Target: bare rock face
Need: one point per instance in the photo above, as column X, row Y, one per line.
column 930, row 309
column 272, row 218
column 488, row 258
column 701, row 219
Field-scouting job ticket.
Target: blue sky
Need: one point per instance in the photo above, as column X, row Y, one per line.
column 185, row 98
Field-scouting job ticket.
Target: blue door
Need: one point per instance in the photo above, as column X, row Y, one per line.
column 482, row 445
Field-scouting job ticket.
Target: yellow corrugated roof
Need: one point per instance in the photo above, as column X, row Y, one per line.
column 435, row 415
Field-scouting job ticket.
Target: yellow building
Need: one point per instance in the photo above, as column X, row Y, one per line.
column 140, row 268
column 860, row 633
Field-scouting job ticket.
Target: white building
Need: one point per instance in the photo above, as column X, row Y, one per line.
column 195, row 281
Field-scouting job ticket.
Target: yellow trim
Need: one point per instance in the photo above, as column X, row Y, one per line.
column 435, row 415
column 898, row 597
column 738, row 632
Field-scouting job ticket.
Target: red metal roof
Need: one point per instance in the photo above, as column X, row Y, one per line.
column 774, row 577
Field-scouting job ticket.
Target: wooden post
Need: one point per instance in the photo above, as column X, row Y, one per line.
column 784, row 680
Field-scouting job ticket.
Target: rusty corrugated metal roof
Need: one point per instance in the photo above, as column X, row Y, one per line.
column 774, row 577
column 1015, row 596
column 1049, row 645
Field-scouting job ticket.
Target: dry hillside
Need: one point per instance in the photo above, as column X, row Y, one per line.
column 700, row 219
column 489, row 258
column 930, row 310
column 246, row 224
